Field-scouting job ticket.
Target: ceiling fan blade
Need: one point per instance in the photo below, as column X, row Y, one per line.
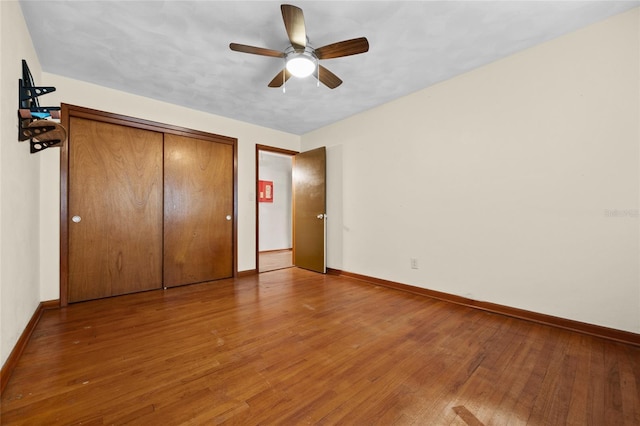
column 343, row 48
column 280, row 78
column 256, row 50
column 294, row 23
column 328, row 78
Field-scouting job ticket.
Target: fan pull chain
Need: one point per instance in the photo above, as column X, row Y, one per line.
column 318, row 74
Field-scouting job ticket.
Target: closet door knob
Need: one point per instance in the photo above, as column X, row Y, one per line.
column 228, row 217
column 76, row 219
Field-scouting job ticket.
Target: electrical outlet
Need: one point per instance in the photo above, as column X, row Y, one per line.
column 414, row 263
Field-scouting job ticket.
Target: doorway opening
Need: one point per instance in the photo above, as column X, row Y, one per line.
column 274, row 240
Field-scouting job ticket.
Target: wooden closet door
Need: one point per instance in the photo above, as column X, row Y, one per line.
column 198, row 210
column 115, row 209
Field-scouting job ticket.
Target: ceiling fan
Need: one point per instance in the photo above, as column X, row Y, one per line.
column 301, row 59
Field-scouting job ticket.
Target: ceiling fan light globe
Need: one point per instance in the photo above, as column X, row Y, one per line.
column 301, row 66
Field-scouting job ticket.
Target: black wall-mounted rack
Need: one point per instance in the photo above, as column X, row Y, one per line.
column 35, row 122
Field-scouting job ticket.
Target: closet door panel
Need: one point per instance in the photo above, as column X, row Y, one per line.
column 198, row 210
column 115, row 209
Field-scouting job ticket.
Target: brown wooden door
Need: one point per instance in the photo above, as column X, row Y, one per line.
column 198, row 210
column 309, row 210
column 115, row 209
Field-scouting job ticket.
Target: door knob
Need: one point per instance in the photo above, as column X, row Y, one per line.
column 228, row 217
column 76, row 219
column 320, row 216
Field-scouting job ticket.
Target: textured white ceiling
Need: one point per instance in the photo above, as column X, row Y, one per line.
column 178, row 51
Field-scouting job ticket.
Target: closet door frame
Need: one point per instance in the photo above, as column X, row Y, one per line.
column 68, row 111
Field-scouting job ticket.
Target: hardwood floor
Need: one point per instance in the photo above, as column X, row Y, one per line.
column 294, row 347
column 276, row 259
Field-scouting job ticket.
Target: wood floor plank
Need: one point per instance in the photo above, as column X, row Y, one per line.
column 276, row 259
column 294, row 347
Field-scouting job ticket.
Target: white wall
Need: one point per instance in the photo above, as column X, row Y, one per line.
column 517, row 183
column 19, row 187
column 275, row 217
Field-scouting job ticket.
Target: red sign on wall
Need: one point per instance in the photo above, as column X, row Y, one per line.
column 265, row 191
